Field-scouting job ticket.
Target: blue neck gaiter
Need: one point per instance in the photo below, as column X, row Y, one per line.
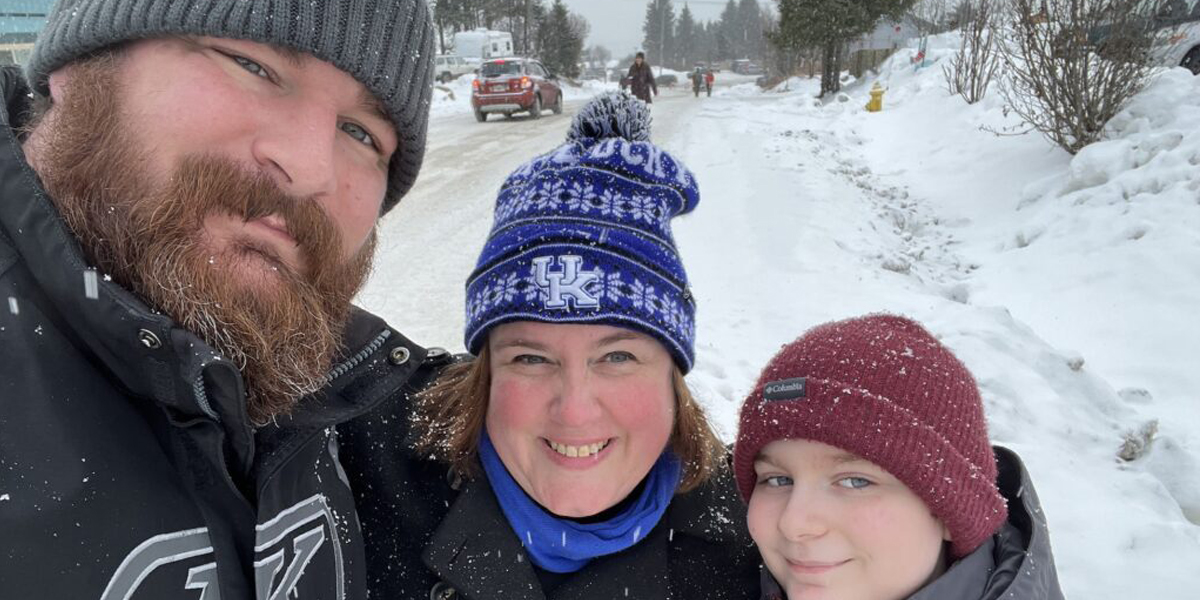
column 564, row 546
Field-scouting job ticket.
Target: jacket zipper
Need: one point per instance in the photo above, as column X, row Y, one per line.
column 357, row 359
column 346, row 366
column 202, row 398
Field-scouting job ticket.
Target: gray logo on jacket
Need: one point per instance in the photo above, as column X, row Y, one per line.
column 306, row 524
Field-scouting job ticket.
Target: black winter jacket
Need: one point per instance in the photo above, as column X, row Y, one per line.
column 641, row 82
column 128, row 467
column 430, row 535
column 1014, row 564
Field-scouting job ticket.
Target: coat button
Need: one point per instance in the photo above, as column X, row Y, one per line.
column 399, row 355
column 442, row 591
column 148, row 339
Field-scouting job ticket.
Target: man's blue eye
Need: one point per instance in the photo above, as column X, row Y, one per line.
column 252, row 66
column 855, row 483
column 358, row 133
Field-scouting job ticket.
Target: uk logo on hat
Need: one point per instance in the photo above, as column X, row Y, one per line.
column 570, row 281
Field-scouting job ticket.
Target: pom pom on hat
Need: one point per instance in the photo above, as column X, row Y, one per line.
column 611, row 115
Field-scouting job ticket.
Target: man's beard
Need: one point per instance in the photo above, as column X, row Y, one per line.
column 284, row 334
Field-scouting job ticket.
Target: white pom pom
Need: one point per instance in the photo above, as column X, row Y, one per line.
column 612, row 115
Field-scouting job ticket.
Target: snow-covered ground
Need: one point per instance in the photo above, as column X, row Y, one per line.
column 1067, row 284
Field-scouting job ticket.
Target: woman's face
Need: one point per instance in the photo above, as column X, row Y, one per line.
column 578, row 413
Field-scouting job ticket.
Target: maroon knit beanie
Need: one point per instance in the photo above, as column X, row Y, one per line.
column 882, row 388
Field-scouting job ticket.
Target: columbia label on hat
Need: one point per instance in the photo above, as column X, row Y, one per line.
column 785, row 389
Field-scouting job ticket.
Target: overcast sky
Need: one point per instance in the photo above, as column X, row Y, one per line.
column 617, row 24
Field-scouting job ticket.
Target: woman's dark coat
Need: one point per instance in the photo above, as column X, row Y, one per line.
column 429, row 535
column 641, row 81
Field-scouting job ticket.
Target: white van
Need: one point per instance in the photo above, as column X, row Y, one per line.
column 449, row 66
column 483, row 44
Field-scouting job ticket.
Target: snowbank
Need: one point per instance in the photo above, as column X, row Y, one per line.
column 1067, row 284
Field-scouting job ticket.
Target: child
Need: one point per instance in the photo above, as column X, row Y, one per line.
column 863, row 455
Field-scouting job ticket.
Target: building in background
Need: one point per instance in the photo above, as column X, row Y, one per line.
column 20, row 20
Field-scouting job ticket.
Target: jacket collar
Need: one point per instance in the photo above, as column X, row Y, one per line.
column 475, row 550
column 146, row 352
column 123, row 334
column 1023, row 557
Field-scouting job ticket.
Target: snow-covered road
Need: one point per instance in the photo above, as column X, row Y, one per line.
column 814, row 212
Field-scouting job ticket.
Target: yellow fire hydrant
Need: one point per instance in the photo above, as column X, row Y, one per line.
column 876, row 102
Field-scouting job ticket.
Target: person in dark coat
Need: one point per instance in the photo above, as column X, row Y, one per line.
column 863, row 455
column 641, row 79
column 567, row 460
column 183, row 222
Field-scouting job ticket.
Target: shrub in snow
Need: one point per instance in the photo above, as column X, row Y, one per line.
column 1136, row 395
column 972, row 68
column 1137, row 442
column 1072, row 65
column 1074, row 361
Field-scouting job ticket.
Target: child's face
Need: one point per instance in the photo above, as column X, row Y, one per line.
column 831, row 525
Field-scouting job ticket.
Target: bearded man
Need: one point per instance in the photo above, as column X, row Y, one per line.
column 188, row 202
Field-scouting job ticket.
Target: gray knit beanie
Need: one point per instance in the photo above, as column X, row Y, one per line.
column 387, row 45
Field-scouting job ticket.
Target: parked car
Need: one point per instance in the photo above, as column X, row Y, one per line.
column 597, row 73
column 666, row 80
column 512, row 85
column 1183, row 44
column 745, row 66
column 1179, row 23
column 449, row 66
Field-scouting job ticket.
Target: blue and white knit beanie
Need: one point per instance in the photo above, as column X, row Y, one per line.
column 583, row 235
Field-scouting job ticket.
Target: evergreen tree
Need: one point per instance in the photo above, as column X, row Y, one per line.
column 686, row 38
column 659, row 30
column 750, row 21
column 562, row 36
column 829, row 25
column 729, row 32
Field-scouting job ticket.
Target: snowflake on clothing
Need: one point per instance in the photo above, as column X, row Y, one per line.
column 607, row 287
column 644, row 296
column 669, row 311
column 579, row 197
column 476, row 307
column 492, row 294
column 548, row 196
column 532, row 291
column 611, row 203
column 510, row 205
column 513, row 287
column 645, row 208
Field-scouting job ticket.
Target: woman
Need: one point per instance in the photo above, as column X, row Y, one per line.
column 641, row 79
column 579, row 465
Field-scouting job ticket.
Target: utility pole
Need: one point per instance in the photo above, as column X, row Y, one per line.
column 525, row 41
column 662, row 36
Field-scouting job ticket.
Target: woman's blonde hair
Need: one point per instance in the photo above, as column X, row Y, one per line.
column 449, row 418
